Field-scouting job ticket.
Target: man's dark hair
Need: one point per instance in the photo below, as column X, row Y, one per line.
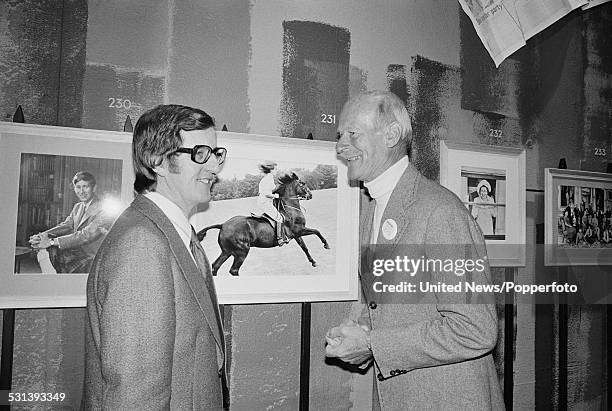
column 84, row 176
column 157, row 136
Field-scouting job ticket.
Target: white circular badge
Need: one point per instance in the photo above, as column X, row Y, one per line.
column 389, row 229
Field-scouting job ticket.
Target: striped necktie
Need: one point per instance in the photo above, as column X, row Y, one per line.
column 204, row 267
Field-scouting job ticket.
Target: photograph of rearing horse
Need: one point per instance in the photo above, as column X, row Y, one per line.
column 301, row 198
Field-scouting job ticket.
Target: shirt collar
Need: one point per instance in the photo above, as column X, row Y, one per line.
column 174, row 214
column 87, row 204
column 386, row 182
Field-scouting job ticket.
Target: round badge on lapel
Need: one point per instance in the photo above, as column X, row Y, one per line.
column 389, row 229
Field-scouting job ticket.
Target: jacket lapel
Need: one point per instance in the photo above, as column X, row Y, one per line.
column 403, row 242
column 91, row 211
column 366, row 218
column 189, row 269
column 402, row 197
column 78, row 216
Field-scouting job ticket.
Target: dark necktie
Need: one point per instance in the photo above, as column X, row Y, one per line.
column 202, row 263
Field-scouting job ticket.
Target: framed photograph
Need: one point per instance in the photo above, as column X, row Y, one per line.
column 491, row 183
column 47, row 171
column 578, row 218
column 319, row 263
column 53, row 178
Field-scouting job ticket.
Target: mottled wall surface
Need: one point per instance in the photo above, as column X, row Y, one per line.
column 208, row 59
column 497, row 97
column 127, row 61
column 559, row 107
column 315, row 79
column 396, row 81
column 379, row 36
column 586, row 360
column 265, row 357
column 433, row 89
column 129, row 33
column 486, row 88
column 535, row 98
column 48, row 355
column 114, row 93
column 30, row 59
column 357, row 81
column 72, row 64
column 329, row 383
column 41, row 68
column 597, row 33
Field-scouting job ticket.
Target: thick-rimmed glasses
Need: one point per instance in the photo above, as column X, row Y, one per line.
column 201, row 153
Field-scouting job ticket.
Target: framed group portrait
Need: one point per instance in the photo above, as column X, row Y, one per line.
column 578, row 212
column 42, row 169
column 490, row 181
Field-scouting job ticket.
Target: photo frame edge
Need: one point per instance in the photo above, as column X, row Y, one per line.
column 68, row 292
column 518, row 156
column 549, row 199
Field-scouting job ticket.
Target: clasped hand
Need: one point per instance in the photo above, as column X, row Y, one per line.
column 350, row 342
column 39, row 241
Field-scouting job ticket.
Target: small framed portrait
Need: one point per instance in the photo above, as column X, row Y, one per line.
column 578, row 218
column 490, row 181
column 486, row 194
column 62, row 190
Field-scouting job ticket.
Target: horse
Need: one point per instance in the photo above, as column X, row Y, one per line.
column 238, row 234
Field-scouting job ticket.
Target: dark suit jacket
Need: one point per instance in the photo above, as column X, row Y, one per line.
column 440, row 350
column 152, row 338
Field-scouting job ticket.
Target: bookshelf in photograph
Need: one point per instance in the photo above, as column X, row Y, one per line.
column 40, row 195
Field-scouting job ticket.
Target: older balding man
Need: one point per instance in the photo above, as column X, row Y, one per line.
column 434, row 354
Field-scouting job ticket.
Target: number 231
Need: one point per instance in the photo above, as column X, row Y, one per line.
column 328, row 118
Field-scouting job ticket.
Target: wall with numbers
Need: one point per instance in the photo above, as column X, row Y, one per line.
column 285, row 67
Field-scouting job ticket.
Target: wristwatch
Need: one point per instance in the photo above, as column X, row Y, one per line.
column 52, row 242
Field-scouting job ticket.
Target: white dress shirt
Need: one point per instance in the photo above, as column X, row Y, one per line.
column 175, row 215
column 380, row 190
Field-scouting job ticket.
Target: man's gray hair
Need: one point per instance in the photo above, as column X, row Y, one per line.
column 390, row 109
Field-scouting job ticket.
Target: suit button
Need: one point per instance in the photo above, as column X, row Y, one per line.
column 373, row 305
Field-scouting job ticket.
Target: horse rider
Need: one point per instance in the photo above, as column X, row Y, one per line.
column 266, row 197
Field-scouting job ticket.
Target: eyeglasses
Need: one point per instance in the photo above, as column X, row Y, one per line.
column 201, row 153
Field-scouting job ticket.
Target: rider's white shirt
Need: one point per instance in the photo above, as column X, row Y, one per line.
column 266, row 186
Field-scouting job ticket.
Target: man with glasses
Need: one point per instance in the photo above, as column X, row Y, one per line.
column 155, row 337
column 434, row 351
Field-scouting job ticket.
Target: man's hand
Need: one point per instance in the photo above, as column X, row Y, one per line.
column 34, row 240
column 349, row 342
column 43, row 242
